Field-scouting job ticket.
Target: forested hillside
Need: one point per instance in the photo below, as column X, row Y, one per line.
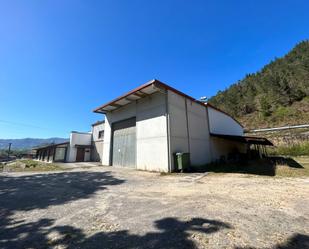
column 276, row 95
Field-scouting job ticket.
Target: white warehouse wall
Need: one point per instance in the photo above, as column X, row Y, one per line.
column 151, row 132
column 199, row 134
column 189, row 130
column 220, row 123
column 151, row 127
column 178, row 124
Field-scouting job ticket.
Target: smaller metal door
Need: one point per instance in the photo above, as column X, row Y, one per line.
column 80, row 155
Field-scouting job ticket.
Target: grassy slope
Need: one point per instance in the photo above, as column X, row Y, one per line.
column 297, row 113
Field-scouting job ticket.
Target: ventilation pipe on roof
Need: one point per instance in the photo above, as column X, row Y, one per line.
column 204, row 99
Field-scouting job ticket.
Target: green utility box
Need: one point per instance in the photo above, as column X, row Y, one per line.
column 182, row 161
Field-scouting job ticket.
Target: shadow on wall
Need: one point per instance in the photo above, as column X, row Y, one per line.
column 266, row 166
column 172, row 234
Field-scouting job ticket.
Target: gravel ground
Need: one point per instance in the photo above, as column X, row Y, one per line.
column 105, row 207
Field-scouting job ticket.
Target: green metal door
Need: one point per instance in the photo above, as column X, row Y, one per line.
column 124, row 143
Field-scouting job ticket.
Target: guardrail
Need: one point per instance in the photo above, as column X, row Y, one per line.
column 280, row 128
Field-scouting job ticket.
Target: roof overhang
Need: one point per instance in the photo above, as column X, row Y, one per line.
column 244, row 139
column 83, row 146
column 145, row 90
column 98, row 123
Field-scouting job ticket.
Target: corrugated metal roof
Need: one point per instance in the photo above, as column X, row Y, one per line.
column 244, row 139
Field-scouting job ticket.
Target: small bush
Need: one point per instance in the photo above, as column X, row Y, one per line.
column 30, row 163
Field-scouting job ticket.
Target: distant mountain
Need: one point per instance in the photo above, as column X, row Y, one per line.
column 276, row 95
column 28, row 143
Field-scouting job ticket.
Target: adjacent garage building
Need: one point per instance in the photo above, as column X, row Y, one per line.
column 77, row 149
column 145, row 127
column 81, row 147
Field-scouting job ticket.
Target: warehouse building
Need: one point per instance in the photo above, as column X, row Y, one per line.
column 147, row 126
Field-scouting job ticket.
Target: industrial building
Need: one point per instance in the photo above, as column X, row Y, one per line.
column 145, row 127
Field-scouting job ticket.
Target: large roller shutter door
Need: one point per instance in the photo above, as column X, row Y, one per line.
column 124, row 143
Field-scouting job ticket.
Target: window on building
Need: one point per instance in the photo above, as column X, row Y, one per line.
column 101, row 134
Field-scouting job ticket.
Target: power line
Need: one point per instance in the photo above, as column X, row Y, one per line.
column 21, row 124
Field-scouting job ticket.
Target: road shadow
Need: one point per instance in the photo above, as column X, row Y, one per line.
column 297, row 241
column 39, row 191
column 172, row 234
column 265, row 166
column 288, row 161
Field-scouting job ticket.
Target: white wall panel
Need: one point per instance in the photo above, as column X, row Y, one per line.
column 189, row 122
column 78, row 139
column 221, row 123
column 152, row 149
column 199, row 134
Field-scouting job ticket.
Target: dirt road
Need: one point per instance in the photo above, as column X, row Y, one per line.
column 106, row 207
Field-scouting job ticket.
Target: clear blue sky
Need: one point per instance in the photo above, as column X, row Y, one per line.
column 59, row 59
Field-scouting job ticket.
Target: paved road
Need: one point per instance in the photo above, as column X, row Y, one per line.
column 104, row 207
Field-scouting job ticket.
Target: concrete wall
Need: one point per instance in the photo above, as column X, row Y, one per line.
column 179, row 139
column 97, row 143
column 95, row 132
column 78, row 139
column 151, row 132
column 189, row 130
column 97, row 151
column 199, row 134
column 221, row 123
column 152, row 146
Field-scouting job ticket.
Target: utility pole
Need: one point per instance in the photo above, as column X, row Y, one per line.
column 9, row 151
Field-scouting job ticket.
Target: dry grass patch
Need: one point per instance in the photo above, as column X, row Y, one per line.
column 29, row 165
column 285, row 170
